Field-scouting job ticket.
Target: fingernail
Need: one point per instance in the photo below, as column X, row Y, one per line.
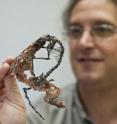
column 5, row 65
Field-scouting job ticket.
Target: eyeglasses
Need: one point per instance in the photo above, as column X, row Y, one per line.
column 99, row 32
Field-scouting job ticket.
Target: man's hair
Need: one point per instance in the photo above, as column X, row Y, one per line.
column 68, row 10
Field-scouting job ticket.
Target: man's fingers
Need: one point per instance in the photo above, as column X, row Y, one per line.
column 9, row 59
column 3, row 70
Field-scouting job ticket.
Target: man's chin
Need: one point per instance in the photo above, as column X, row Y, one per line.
column 88, row 79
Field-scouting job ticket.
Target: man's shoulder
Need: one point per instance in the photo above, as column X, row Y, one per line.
column 69, row 88
column 67, row 91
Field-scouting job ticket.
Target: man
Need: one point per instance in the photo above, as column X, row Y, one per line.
column 92, row 32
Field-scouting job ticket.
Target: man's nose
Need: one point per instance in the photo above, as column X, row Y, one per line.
column 86, row 40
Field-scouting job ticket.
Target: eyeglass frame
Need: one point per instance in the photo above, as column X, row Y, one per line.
column 106, row 26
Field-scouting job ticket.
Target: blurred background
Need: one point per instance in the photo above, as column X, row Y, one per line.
column 24, row 21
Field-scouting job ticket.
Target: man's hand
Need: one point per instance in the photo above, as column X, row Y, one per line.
column 12, row 108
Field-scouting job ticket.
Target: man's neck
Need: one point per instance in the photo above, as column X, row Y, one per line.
column 100, row 102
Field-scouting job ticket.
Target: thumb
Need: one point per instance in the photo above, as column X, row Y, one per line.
column 12, row 90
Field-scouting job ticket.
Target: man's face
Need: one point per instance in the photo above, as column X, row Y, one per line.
column 93, row 41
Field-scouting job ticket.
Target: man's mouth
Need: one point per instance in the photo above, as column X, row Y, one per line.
column 85, row 60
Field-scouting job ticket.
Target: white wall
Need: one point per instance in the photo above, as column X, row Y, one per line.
column 23, row 21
